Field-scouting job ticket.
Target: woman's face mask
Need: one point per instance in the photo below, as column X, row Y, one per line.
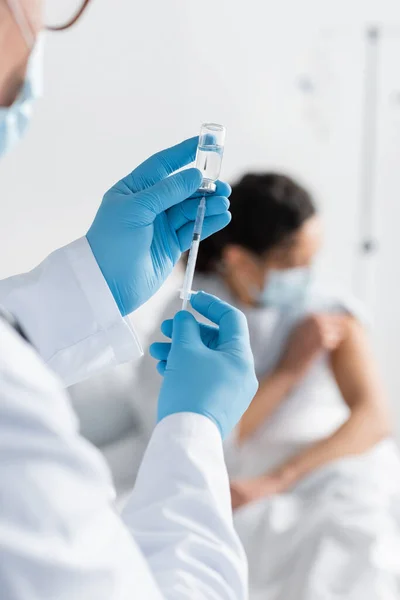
column 285, row 288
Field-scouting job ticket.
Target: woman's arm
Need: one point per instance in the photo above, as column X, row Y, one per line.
column 355, row 371
column 356, row 374
column 315, row 334
column 272, row 391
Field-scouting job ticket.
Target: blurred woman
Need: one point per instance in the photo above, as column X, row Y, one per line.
column 318, row 378
column 314, row 474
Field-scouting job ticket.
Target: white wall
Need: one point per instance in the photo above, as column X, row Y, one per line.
column 137, row 76
column 386, row 274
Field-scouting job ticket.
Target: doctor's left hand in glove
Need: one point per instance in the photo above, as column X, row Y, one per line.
column 146, row 221
column 60, row 536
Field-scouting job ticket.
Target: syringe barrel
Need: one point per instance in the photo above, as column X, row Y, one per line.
column 209, row 154
column 201, row 213
column 186, row 290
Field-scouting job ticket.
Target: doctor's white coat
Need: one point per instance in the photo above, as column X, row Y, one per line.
column 60, row 535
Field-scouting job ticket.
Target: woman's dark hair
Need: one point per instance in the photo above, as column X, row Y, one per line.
column 267, row 209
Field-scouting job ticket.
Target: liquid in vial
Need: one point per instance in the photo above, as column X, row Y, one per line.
column 208, row 161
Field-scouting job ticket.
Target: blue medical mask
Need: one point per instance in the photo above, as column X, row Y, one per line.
column 286, row 288
column 14, row 119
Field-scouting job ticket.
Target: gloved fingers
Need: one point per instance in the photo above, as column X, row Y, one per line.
column 160, row 350
column 166, row 193
column 162, row 164
column 161, row 366
column 211, row 225
column 185, row 329
column 208, row 333
column 185, row 212
column 231, row 321
column 166, row 327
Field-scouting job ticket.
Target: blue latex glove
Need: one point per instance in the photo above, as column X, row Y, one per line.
column 146, row 221
column 207, row 370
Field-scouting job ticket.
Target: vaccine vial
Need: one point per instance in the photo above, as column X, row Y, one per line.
column 209, row 154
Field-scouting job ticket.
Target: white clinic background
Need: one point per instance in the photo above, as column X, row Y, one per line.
column 285, row 77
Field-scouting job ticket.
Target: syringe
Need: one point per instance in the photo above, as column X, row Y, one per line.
column 186, row 291
column 209, row 160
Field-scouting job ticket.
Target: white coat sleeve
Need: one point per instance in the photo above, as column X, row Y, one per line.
column 180, row 512
column 60, row 536
column 69, row 314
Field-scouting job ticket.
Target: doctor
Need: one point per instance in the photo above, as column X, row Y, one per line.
column 60, row 536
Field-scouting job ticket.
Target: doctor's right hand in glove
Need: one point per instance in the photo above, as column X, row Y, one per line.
column 146, row 221
column 207, row 370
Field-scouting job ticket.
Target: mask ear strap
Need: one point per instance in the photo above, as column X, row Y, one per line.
column 22, row 22
column 72, row 21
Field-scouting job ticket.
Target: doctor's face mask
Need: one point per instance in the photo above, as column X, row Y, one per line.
column 21, row 58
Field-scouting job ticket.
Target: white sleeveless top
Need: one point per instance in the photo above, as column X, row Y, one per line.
column 315, row 407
